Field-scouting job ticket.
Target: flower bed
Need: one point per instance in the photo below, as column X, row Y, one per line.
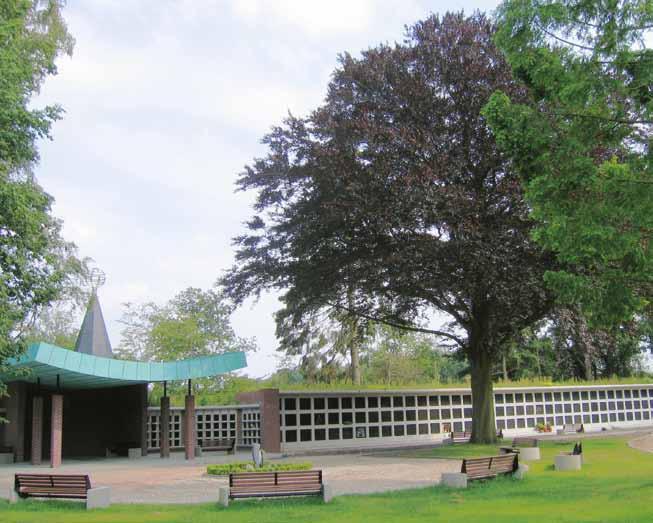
column 248, row 466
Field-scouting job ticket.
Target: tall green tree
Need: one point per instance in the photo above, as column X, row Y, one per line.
column 193, row 323
column 392, row 201
column 34, row 259
column 581, row 143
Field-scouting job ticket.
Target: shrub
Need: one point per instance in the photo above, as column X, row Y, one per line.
column 248, row 466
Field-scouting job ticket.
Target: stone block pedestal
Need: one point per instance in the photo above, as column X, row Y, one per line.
column 568, row 462
column 454, row 479
column 529, row 454
column 6, row 458
column 223, row 496
column 135, row 453
column 99, row 497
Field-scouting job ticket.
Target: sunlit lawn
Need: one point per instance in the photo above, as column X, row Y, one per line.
column 615, row 485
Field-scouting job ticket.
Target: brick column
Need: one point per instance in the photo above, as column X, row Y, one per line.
column 37, row 430
column 268, row 400
column 189, row 428
column 56, row 434
column 164, row 427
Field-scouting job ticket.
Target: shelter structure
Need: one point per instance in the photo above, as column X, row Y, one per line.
column 82, row 403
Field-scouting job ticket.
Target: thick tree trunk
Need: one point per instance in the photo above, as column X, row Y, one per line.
column 483, row 425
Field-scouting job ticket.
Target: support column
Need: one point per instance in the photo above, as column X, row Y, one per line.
column 189, row 427
column 37, row 430
column 56, row 435
column 164, row 427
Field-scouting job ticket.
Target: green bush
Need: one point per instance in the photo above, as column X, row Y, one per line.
column 248, row 466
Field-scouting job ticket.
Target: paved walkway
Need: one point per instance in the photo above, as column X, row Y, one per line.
column 153, row 480
column 643, row 443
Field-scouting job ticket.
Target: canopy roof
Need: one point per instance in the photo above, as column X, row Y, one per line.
column 77, row 370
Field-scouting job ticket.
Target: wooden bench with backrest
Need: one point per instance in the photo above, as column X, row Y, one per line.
column 275, row 484
column 464, row 437
column 520, row 442
column 66, row 486
column 219, row 444
column 573, row 428
column 491, row 467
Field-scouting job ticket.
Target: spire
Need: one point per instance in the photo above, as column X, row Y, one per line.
column 93, row 337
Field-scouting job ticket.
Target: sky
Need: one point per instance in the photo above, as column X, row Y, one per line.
column 165, row 102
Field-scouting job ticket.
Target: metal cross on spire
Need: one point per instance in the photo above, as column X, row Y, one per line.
column 97, row 278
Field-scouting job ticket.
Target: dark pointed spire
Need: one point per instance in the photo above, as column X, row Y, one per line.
column 93, row 337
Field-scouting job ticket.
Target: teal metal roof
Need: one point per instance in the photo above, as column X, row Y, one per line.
column 78, row 370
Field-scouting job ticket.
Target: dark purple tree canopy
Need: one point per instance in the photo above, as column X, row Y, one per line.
column 392, row 198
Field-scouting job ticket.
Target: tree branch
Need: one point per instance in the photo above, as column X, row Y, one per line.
column 391, row 323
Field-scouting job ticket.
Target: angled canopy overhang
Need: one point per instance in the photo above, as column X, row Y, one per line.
column 76, row 370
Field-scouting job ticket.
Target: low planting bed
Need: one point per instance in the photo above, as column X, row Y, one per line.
column 248, row 466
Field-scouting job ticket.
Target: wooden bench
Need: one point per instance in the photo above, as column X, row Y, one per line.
column 573, row 428
column 275, row 484
column 527, row 448
column 464, row 437
column 227, row 445
column 487, row 468
column 52, row 486
column 61, row 486
column 520, row 443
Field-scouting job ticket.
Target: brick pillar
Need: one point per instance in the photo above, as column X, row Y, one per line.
column 268, row 401
column 37, row 430
column 189, row 427
column 164, row 426
column 56, row 434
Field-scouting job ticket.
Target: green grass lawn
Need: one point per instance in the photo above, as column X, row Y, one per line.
column 615, row 485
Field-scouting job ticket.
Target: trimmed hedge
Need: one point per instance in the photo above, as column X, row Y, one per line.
column 248, row 466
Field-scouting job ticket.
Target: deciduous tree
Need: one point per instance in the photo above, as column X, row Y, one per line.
column 392, row 201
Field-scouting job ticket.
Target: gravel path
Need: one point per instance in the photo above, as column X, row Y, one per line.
column 152, row 480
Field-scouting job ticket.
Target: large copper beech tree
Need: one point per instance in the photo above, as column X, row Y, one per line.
column 391, row 201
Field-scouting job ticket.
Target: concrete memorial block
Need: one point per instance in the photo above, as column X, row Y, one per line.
column 12, row 496
column 520, row 473
column 327, row 493
column 99, row 497
column 529, row 453
column 454, row 479
column 198, row 452
column 6, row 458
column 223, row 496
column 568, row 462
column 135, row 453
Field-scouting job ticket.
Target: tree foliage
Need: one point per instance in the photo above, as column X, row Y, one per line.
column 35, row 262
column 391, row 200
column 582, row 145
column 193, row 323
